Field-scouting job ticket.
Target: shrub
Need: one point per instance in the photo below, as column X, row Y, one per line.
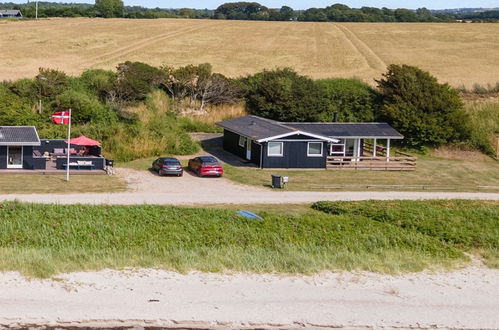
column 135, row 80
column 353, row 100
column 424, row 111
column 100, row 82
column 284, row 95
column 85, row 108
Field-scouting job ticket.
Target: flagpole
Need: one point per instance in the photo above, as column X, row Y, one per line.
column 69, row 144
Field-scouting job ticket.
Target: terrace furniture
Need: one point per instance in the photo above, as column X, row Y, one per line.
column 80, row 164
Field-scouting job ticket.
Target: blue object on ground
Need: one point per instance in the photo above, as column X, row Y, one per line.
column 249, row 215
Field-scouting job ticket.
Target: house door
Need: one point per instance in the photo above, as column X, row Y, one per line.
column 14, row 157
column 248, row 149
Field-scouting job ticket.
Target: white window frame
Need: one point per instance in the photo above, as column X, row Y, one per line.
column 276, row 155
column 242, row 141
column 315, row 155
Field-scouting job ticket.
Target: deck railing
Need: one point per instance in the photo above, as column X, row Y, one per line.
column 406, row 163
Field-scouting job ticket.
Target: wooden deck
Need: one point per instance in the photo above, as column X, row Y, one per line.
column 53, row 172
column 51, row 169
column 400, row 162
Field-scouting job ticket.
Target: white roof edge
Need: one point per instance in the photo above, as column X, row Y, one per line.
column 369, row 137
column 320, row 137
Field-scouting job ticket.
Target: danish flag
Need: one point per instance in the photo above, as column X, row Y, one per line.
column 61, row 117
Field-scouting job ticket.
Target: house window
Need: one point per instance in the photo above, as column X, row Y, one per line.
column 314, row 149
column 275, row 149
column 242, row 141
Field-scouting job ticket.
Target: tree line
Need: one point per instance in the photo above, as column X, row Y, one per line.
column 425, row 111
column 251, row 11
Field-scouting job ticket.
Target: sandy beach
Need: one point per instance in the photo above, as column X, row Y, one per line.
column 466, row 298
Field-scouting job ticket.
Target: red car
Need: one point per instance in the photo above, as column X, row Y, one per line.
column 206, row 166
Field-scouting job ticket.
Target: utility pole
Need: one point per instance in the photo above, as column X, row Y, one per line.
column 36, row 10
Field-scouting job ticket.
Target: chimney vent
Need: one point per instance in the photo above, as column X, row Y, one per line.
column 335, row 117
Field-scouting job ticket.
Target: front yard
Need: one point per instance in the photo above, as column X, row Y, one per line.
column 57, row 184
column 432, row 173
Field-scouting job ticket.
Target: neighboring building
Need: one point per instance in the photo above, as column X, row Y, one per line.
column 22, row 149
column 10, row 13
column 272, row 144
column 16, row 147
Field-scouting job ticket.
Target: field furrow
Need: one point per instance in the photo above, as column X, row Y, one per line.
column 461, row 54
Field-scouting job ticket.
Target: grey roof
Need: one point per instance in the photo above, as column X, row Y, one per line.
column 255, row 127
column 258, row 128
column 349, row 130
column 19, row 136
column 10, row 12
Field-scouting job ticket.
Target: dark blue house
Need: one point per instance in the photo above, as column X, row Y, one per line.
column 272, row 144
column 16, row 147
column 22, row 149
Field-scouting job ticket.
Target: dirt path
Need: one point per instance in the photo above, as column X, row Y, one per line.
column 461, row 299
column 148, row 188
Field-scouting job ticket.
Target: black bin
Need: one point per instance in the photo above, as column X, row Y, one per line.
column 276, row 181
column 110, row 162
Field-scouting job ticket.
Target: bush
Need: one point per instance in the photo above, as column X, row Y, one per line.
column 425, row 112
column 135, row 80
column 99, row 82
column 85, row 108
column 284, row 95
column 353, row 100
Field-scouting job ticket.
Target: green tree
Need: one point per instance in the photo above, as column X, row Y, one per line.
column 283, row 94
column 425, row 112
column 110, row 8
column 353, row 100
column 135, row 80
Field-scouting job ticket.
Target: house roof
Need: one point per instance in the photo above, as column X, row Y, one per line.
column 263, row 130
column 9, row 12
column 19, row 136
column 349, row 130
column 255, row 127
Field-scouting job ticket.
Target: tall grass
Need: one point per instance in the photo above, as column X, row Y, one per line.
column 196, row 121
column 467, row 225
column 41, row 240
column 484, row 123
column 155, row 131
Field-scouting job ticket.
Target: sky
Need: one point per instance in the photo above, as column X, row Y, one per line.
column 302, row 4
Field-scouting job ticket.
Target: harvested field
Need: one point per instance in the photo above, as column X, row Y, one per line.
column 461, row 54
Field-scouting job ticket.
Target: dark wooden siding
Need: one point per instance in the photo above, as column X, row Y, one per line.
column 3, row 157
column 98, row 162
column 231, row 144
column 28, row 158
column 295, row 156
column 28, row 162
column 256, row 150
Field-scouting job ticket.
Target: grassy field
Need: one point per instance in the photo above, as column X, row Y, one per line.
column 46, row 184
column 42, row 240
column 461, row 54
column 432, row 173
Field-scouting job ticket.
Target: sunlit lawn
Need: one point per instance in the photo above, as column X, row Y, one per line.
column 38, row 183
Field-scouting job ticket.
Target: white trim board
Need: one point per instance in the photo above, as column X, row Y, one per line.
column 320, row 137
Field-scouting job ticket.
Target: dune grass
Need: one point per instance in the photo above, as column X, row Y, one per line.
column 43, row 240
column 471, row 226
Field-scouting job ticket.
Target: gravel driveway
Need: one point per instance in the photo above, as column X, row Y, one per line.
column 148, row 188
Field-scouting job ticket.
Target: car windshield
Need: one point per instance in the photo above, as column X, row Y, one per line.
column 170, row 162
column 208, row 160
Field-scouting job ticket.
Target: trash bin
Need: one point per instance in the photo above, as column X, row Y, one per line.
column 276, row 181
column 110, row 162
